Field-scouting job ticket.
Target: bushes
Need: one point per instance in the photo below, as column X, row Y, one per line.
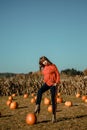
column 31, row 82
column 72, row 72
column 20, row 84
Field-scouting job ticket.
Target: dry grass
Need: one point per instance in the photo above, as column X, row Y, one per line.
column 72, row 118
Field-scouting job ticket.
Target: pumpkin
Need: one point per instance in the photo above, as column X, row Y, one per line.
column 85, row 100
column 10, row 98
column 35, row 97
column 84, row 97
column 33, row 100
column 59, row 100
column 47, row 101
column 31, row 118
column 13, row 95
column 8, row 102
column 32, row 94
column 14, row 105
column 25, row 95
column 58, row 94
column 78, row 95
column 68, row 103
column 50, row 108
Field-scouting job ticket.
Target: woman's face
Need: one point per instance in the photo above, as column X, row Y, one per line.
column 45, row 62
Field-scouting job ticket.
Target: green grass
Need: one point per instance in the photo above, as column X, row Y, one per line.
column 72, row 118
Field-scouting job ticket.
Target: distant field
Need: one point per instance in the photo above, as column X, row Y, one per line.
column 68, row 118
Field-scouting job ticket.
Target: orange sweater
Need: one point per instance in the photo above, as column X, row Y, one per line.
column 51, row 75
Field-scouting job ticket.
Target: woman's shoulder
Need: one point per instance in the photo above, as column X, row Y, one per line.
column 52, row 66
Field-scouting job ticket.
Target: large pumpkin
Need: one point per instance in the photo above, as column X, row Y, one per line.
column 31, row 118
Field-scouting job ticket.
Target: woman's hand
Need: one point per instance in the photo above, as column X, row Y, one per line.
column 55, row 84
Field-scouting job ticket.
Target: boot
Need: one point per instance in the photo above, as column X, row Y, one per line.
column 37, row 109
column 53, row 118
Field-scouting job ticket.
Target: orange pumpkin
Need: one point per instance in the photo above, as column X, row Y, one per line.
column 68, row 103
column 10, row 98
column 8, row 102
column 84, row 97
column 50, row 108
column 25, row 95
column 13, row 95
column 31, row 118
column 35, row 97
column 59, row 100
column 86, row 100
column 47, row 101
column 58, row 94
column 14, row 105
column 33, row 100
column 32, row 94
column 78, row 95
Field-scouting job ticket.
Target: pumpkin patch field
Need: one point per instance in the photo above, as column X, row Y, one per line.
column 71, row 114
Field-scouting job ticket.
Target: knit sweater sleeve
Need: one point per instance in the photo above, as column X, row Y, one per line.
column 57, row 75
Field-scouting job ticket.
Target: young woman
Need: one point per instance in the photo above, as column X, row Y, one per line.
column 51, row 79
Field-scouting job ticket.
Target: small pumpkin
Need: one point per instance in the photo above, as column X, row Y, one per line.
column 84, row 97
column 32, row 94
column 86, row 100
column 47, row 101
column 14, row 105
column 50, row 108
column 58, row 94
column 26, row 95
column 33, row 100
column 10, row 98
column 78, row 95
column 59, row 100
column 68, row 103
column 8, row 102
column 14, row 94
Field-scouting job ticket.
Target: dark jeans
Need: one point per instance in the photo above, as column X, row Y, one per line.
column 53, row 90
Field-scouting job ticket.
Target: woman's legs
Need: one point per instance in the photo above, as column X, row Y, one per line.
column 39, row 96
column 40, row 92
column 53, row 91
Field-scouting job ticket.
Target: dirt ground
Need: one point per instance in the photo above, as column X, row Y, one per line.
column 68, row 118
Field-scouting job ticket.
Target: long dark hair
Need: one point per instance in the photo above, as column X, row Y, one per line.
column 41, row 60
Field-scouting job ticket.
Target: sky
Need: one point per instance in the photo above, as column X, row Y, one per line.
column 30, row 29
